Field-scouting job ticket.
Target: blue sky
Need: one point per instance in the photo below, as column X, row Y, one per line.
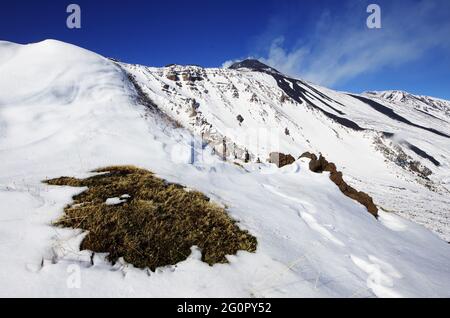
column 324, row 41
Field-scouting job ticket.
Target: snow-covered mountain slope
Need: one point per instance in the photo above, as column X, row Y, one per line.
column 66, row 111
column 434, row 107
column 398, row 155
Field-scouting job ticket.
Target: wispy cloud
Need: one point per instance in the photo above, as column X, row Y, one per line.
column 341, row 47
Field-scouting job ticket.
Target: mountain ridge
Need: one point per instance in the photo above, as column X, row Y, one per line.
column 232, row 103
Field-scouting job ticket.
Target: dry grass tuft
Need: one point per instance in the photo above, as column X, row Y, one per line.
column 156, row 225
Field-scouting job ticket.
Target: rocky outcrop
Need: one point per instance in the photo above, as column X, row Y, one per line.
column 283, row 98
column 172, row 77
column 281, row 159
column 191, row 77
column 320, row 165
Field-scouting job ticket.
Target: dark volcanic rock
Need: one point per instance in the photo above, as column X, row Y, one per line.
column 172, row 77
column 189, row 77
column 320, row 165
column 281, row 159
column 252, row 64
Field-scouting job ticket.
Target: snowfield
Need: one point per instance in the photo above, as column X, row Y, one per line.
column 377, row 142
column 65, row 111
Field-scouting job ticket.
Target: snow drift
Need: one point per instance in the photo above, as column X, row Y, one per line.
column 67, row 111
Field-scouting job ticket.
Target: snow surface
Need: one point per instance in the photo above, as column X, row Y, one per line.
column 438, row 108
column 224, row 94
column 66, row 111
column 114, row 201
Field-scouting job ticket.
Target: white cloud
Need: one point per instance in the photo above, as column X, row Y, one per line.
column 342, row 48
column 228, row 63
